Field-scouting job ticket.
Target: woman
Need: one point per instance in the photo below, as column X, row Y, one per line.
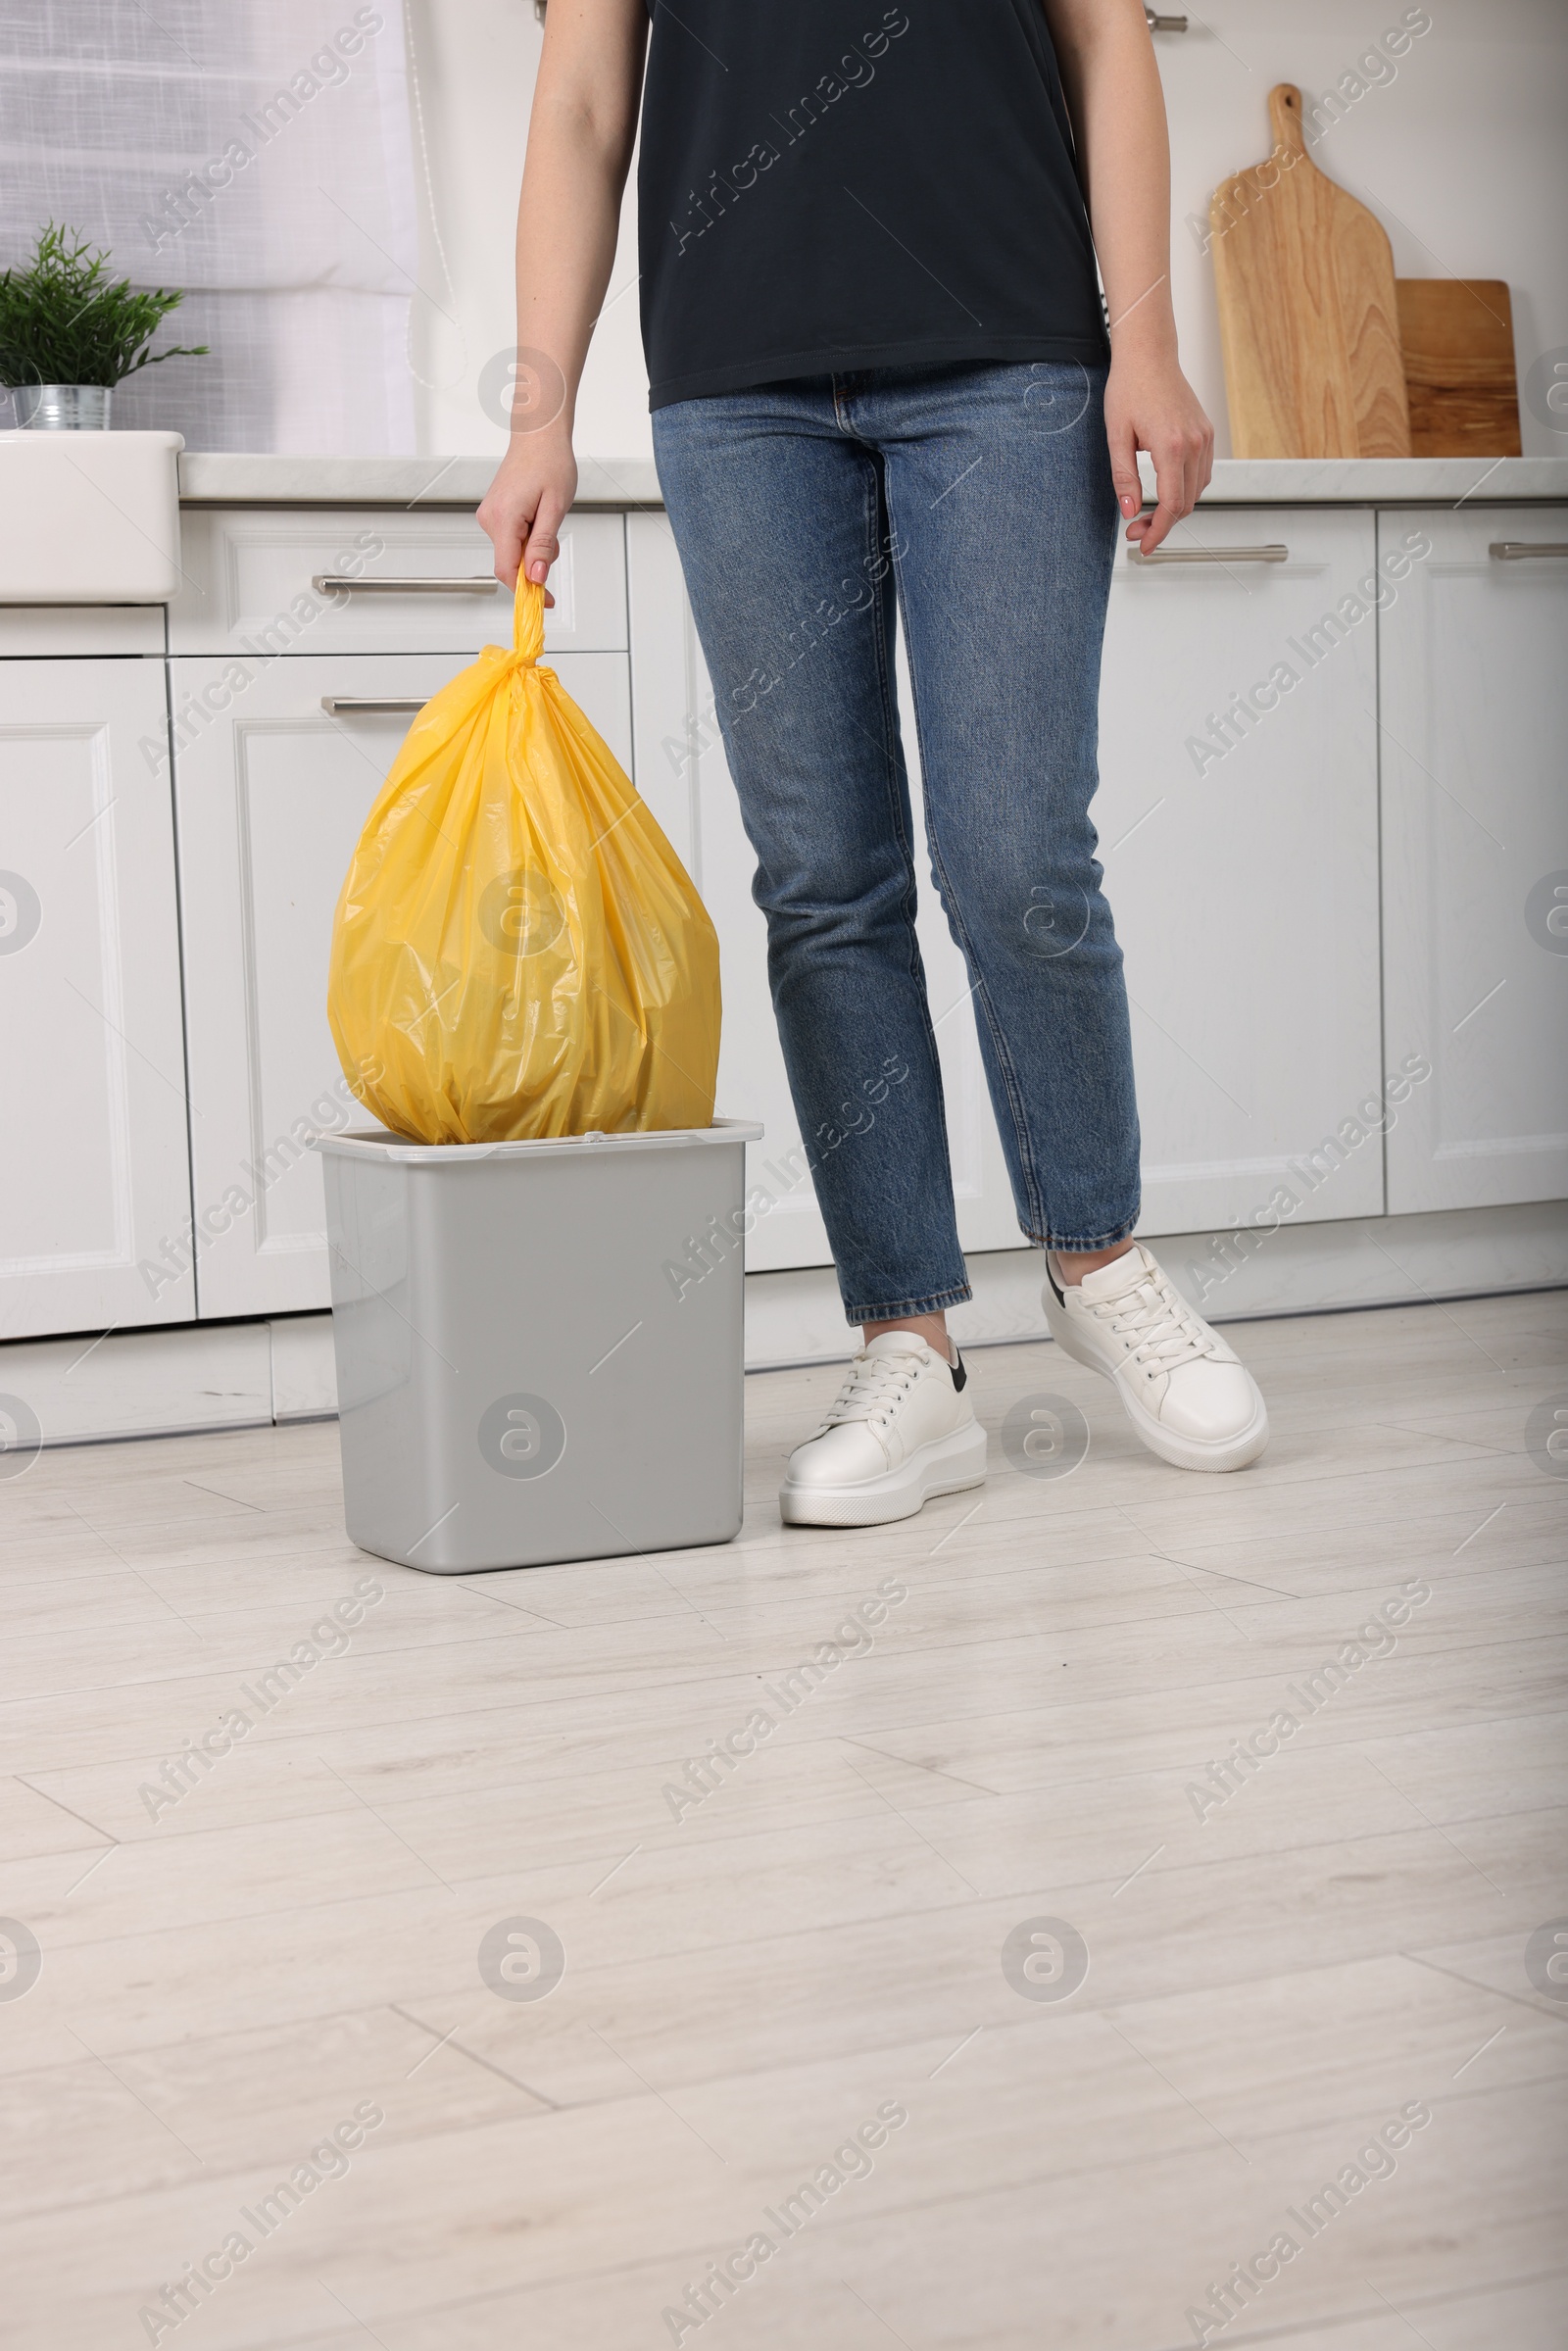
column 883, row 382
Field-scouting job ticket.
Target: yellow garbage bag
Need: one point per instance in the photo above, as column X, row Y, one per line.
column 517, row 950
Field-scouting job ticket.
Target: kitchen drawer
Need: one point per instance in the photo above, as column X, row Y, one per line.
column 248, row 584
column 45, row 631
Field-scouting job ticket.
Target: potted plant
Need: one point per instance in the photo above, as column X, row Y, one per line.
column 69, row 333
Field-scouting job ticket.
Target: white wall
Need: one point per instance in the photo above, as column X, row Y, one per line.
column 1463, row 155
column 473, row 66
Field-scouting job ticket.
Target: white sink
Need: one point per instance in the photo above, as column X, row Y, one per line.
column 90, row 517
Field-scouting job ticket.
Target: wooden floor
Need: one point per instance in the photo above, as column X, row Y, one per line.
column 839, row 1929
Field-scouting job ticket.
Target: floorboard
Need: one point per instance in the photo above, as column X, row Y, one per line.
column 1261, row 1966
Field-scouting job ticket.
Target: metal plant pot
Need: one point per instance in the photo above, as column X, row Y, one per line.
column 62, row 408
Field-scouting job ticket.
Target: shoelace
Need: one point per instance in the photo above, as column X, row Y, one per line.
column 1168, row 1333
column 872, row 1386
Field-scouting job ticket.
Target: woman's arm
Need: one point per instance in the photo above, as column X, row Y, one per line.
column 581, row 138
column 1119, row 115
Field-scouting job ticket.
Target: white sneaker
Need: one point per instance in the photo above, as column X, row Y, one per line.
column 901, row 1430
column 1185, row 1392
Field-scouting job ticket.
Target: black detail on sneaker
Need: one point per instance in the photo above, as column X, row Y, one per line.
column 1055, row 1284
column 960, row 1377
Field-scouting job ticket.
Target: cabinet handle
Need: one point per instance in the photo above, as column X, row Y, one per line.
column 326, row 583
column 1517, row 551
column 1159, row 24
column 371, row 706
column 1210, row 555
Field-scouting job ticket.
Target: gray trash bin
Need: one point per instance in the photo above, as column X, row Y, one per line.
column 539, row 1344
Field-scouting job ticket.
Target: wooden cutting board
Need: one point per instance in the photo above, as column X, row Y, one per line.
column 1458, row 367
column 1309, row 319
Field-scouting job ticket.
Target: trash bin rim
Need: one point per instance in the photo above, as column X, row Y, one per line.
column 376, row 1143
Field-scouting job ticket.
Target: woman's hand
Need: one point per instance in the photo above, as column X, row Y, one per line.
column 1150, row 405
column 524, row 506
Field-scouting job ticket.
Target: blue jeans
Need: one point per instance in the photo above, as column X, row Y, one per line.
column 976, row 501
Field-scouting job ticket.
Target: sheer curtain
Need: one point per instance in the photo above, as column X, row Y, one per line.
column 255, row 153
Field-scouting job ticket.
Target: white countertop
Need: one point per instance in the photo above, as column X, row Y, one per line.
column 1379, row 481
column 224, row 478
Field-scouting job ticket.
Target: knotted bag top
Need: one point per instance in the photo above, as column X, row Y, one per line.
column 527, row 624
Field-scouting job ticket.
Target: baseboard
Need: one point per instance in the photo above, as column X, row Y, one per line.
column 797, row 1317
column 192, row 1377
column 304, row 1373
column 141, row 1382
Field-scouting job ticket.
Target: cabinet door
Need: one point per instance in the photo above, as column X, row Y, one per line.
column 1475, row 841
column 682, row 775
column 94, row 1179
column 272, row 798
column 1241, row 854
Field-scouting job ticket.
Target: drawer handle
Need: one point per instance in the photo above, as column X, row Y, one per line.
column 1518, row 551
column 1210, row 555
column 327, row 583
column 371, row 706
column 1160, row 24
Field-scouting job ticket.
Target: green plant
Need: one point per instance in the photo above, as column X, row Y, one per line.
column 64, row 322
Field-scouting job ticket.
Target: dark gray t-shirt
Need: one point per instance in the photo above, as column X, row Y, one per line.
column 825, row 186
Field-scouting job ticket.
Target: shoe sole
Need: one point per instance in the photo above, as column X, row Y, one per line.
column 945, row 1465
column 1182, row 1452
column 1191, row 1453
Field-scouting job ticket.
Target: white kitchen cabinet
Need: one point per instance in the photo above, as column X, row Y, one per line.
column 1242, row 854
column 682, row 773
column 1474, row 710
column 272, row 797
column 1241, row 857
column 94, row 1178
column 1245, row 882
column 252, row 581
